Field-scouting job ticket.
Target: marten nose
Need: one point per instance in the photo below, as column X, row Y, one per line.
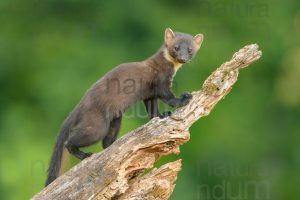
column 182, row 60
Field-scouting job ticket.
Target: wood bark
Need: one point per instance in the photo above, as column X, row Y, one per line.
column 124, row 171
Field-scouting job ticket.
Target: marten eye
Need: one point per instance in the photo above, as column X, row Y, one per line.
column 190, row 50
column 176, row 48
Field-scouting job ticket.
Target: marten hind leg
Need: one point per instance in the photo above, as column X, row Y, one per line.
column 85, row 137
column 74, row 150
column 113, row 132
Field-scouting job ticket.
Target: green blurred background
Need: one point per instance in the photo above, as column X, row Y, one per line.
column 52, row 51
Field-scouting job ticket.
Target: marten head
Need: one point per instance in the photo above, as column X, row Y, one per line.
column 181, row 47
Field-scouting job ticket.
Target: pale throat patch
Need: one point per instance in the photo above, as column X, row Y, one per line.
column 169, row 58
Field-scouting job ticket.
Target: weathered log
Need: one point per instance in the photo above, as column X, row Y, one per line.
column 120, row 171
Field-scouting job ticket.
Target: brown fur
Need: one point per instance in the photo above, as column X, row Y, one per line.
column 99, row 113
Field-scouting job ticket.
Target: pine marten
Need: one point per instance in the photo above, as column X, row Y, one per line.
column 98, row 115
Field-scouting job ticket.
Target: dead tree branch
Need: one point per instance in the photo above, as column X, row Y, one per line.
column 118, row 172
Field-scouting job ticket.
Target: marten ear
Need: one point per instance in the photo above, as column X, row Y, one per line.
column 169, row 35
column 198, row 39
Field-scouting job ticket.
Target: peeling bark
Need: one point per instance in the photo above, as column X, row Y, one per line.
column 118, row 172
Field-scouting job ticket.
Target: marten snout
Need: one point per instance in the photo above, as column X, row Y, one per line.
column 182, row 60
column 181, row 52
column 182, row 55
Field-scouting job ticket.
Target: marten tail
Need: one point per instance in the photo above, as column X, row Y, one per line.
column 56, row 158
column 57, row 154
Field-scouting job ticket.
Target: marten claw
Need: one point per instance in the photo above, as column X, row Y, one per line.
column 86, row 155
column 165, row 114
column 186, row 95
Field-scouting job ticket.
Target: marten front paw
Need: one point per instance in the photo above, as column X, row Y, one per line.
column 165, row 114
column 186, row 95
column 185, row 98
